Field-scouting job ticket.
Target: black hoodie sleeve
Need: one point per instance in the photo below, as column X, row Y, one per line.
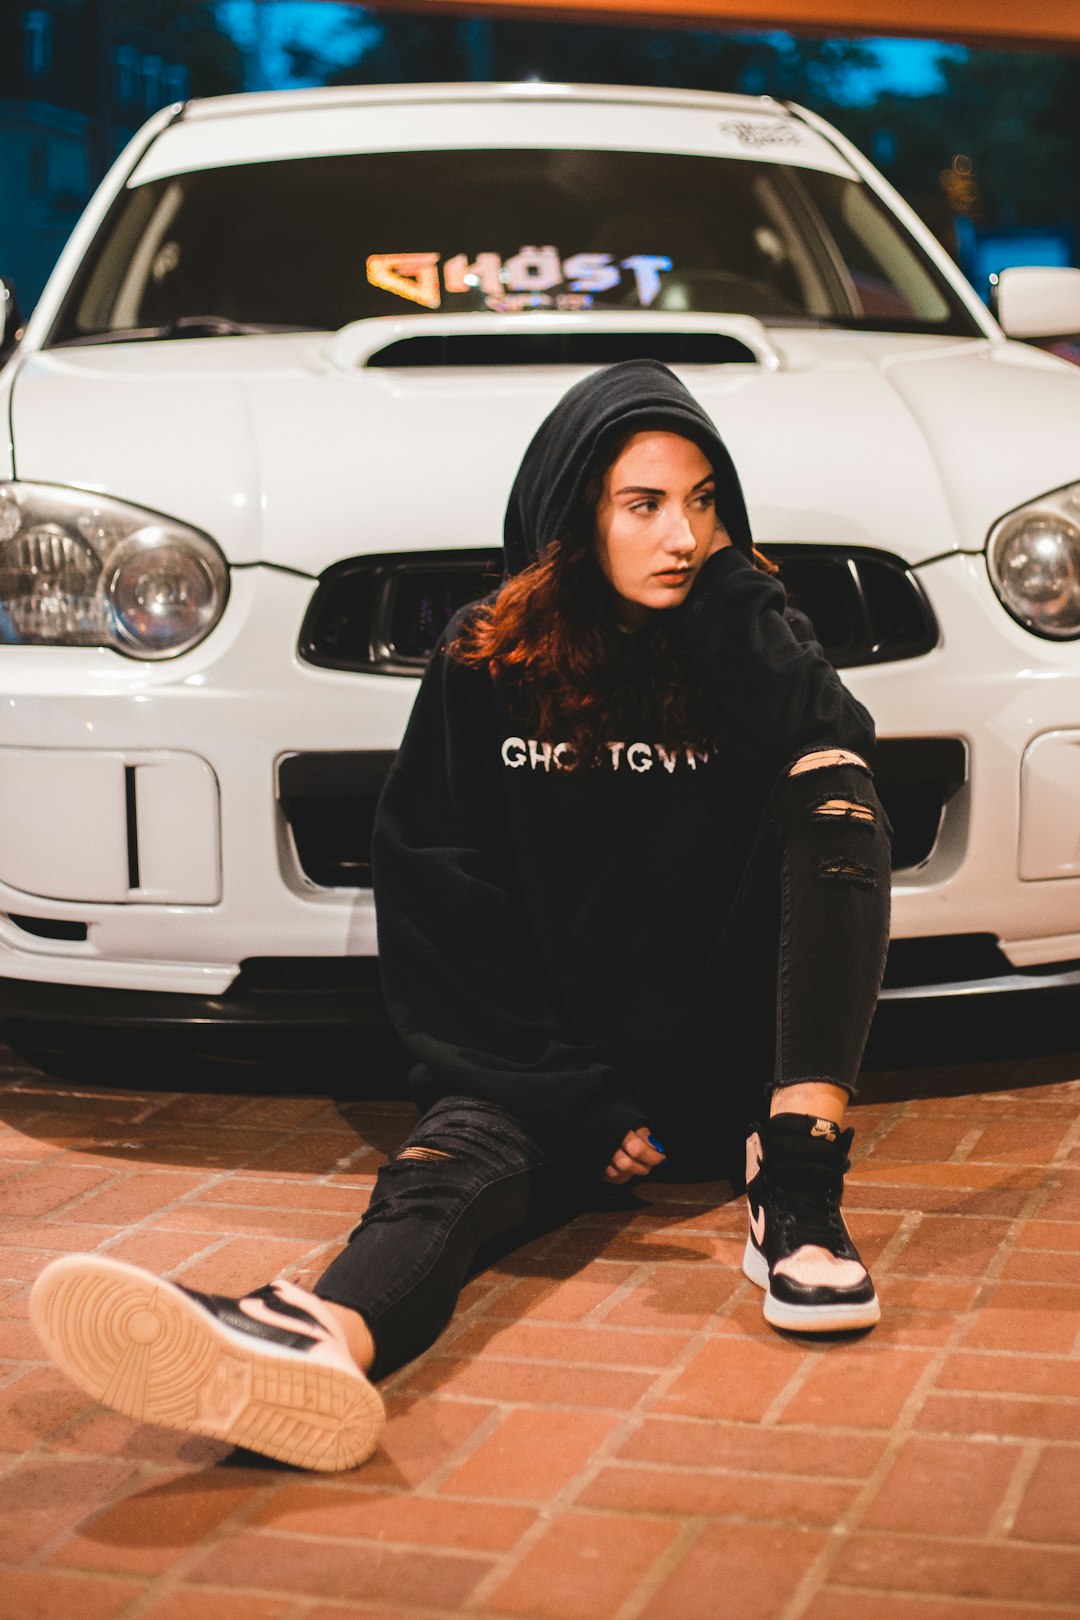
column 768, row 679
column 464, row 985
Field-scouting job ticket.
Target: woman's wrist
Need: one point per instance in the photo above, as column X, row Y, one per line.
column 718, row 565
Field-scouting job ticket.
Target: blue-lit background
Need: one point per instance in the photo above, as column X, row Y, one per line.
column 984, row 143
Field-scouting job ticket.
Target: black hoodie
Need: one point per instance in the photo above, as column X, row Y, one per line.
column 543, row 936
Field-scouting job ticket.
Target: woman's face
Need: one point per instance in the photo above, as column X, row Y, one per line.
column 656, row 523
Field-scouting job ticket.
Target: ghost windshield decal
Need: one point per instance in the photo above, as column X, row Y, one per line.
column 532, row 278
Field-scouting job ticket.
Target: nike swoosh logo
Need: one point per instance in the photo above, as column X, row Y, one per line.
column 259, row 1312
column 757, row 1225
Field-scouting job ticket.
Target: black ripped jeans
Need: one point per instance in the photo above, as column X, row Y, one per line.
column 791, row 987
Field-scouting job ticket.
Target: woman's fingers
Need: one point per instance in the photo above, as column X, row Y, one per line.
column 623, row 1168
column 629, row 1166
column 638, row 1145
column 636, row 1157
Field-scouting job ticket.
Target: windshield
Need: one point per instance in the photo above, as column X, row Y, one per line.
column 318, row 242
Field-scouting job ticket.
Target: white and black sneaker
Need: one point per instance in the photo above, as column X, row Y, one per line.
column 798, row 1248
column 270, row 1372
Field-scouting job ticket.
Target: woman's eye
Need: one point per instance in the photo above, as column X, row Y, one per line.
column 646, row 506
column 705, row 499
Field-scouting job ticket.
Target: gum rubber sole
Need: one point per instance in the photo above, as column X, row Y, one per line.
column 838, row 1318
column 139, row 1345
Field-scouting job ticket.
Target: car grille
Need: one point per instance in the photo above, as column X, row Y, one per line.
column 384, row 614
column 329, row 799
column 915, row 778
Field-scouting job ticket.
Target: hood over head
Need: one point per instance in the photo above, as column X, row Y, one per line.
column 604, row 407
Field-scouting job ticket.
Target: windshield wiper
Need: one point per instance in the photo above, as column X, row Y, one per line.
column 185, row 326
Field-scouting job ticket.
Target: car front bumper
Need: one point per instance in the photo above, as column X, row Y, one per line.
column 197, row 750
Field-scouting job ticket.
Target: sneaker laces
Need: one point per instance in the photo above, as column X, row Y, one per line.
column 808, row 1199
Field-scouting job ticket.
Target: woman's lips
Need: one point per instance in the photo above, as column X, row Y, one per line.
column 673, row 576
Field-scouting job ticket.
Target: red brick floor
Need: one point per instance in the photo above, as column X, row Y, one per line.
column 608, row 1431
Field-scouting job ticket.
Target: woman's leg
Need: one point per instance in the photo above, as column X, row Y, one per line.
column 794, row 982
column 794, row 977
column 281, row 1370
column 469, row 1181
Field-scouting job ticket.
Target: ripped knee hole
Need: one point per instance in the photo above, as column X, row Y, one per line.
column 824, row 757
column 861, row 877
column 424, row 1155
column 844, row 810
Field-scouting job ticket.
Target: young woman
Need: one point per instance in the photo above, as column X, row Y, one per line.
column 633, row 885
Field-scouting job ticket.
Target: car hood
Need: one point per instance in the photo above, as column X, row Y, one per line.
column 285, row 456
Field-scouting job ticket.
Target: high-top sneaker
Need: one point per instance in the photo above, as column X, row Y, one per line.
column 270, row 1372
column 799, row 1249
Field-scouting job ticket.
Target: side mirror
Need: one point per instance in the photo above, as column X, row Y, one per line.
column 1037, row 301
column 11, row 320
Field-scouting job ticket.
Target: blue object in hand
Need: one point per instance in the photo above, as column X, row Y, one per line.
column 655, row 1144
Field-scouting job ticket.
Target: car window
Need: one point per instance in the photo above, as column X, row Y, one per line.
column 885, row 278
column 321, row 241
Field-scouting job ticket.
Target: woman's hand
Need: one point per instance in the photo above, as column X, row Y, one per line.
column 636, row 1157
column 720, row 540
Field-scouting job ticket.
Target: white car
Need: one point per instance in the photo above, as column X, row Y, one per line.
column 263, row 423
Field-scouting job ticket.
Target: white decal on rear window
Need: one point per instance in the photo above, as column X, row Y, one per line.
column 761, row 134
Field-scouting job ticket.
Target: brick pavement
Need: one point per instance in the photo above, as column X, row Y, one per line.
column 608, row 1431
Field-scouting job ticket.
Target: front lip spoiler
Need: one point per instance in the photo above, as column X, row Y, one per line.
column 1002, row 984
column 266, row 996
column 326, row 993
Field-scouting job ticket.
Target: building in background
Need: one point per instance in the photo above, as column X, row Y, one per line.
column 77, row 78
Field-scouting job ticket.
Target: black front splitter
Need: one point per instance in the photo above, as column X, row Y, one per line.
column 269, row 993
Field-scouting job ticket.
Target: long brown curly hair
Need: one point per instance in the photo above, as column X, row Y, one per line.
column 552, row 635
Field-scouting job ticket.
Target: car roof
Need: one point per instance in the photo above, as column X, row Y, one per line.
column 525, row 90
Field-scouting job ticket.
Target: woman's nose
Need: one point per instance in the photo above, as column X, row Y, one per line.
column 679, row 539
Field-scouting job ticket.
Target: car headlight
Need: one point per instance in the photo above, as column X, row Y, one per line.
column 1034, row 559
column 80, row 570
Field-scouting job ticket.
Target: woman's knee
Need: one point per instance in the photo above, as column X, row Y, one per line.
column 829, row 806
column 440, row 1168
column 834, row 785
column 459, row 1129
column 822, row 758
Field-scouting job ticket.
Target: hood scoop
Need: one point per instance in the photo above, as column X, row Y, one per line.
column 437, row 341
column 564, row 349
